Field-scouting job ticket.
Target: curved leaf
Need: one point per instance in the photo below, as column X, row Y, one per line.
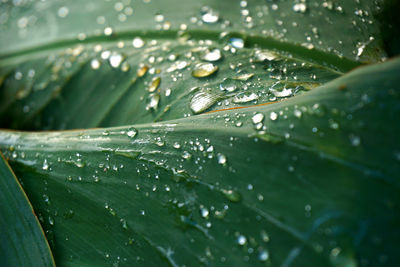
column 202, row 190
column 80, row 77
column 22, row 241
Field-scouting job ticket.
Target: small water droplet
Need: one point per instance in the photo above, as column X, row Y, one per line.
column 221, row 159
column 115, row 60
column 204, row 212
column 244, row 76
column 63, row 12
column 273, row 116
column 137, row 42
column 155, row 82
column 154, row 99
column 51, row 220
column 236, row 42
column 355, row 140
column 108, row 31
column 210, row 17
column 297, row 113
column 245, row 97
column 285, row 92
column 263, row 255
column 231, row 195
column 212, row 55
column 186, row 155
column 131, row 132
column 95, row 64
column 257, row 118
column 45, row 166
column 204, row 70
column 241, row 240
column 265, row 55
column 142, row 71
column 300, row 7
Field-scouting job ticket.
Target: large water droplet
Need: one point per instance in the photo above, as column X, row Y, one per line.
column 202, row 101
column 204, row 70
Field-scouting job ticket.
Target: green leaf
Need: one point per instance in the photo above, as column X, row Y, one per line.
column 291, row 164
column 315, row 184
column 22, row 239
column 80, row 77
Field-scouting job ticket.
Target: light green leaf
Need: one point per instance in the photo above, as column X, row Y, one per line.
column 22, row 241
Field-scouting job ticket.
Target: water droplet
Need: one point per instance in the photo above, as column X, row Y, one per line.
column 297, row 113
column 178, row 65
column 159, row 17
column 355, row 140
column 263, row 255
column 212, row 55
column 204, row 70
column 51, row 220
column 265, row 55
column 236, row 42
column 124, row 224
column 155, row 82
column 131, row 132
column 257, row 118
column 228, row 84
column 186, row 155
column 221, row 159
column 284, row 93
column 154, row 99
column 273, row 116
column 202, row 100
column 204, row 212
column 231, row 195
column 95, row 64
column 63, row 12
column 45, row 166
column 300, row 7
column 137, row 42
column 108, row 31
column 115, row 60
column 241, row 240
column 333, row 124
column 210, row 17
column 244, row 76
column 142, row 71
column 245, row 97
